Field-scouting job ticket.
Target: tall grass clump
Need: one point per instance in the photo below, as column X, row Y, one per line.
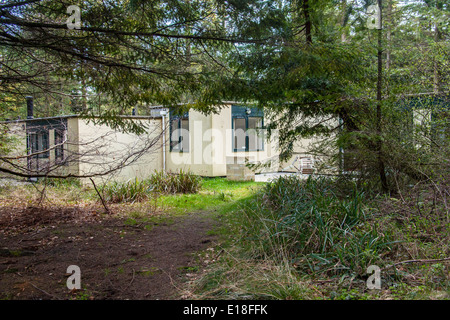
column 130, row 191
column 158, row 183
column 177, row 182
column 311, row 225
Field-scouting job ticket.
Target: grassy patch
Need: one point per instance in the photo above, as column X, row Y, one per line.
column 216, row 194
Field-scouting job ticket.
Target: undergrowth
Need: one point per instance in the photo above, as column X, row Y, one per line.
column 315, row 239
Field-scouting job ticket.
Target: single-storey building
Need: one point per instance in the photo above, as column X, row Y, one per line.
column 217, row 144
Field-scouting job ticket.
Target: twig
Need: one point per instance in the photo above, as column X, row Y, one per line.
column 51, row 295
column 416, row 260
column 108, row 211
column 34, row 286
column 41, row 192
column 132, row 279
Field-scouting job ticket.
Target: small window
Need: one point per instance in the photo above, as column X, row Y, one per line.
column 179, row 134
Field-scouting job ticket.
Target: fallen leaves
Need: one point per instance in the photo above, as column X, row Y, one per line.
column 15, row 220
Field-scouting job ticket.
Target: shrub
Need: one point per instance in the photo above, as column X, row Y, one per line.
column 130, row 191
column 179, row 182
column 159, row 182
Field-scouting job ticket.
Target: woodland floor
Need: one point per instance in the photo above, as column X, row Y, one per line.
column 117, row 259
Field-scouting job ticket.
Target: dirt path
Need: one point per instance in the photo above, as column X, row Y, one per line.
column 117, row 259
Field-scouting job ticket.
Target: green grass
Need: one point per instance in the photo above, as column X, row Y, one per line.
column 216, row 194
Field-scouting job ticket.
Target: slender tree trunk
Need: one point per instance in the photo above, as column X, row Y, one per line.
column 343, row 20
column 436, row 76
column 379, row 144
column 307, row 22
column 388, row 34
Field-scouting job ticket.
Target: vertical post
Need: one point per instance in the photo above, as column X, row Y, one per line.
column 163, row 113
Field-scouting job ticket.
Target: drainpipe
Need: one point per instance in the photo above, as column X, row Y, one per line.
column 341, row 150
column 163, row 113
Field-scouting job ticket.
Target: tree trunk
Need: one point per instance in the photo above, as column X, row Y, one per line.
column 436, row 76
column 307, row 22
column 388, row 35
column 379, row 144
column 343, row 20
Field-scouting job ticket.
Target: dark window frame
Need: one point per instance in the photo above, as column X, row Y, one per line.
column 37, row 143
column 239, row 112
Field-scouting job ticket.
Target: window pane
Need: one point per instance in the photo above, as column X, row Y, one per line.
column 255, row 138
column 33, row 143
column 179, row 135
column 175, row 135
column 239, row 134
column 59, row 149
column 45, row 144
column 185, row 135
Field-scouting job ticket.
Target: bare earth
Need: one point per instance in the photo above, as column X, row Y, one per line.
column 118, row 260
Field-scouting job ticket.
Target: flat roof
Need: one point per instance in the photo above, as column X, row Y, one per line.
column 77, row 116
column 87, row 117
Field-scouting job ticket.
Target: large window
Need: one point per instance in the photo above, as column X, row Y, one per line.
column 247, row 129
column 38, row 143
column 179, row 133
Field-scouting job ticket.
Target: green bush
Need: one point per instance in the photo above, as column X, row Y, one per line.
column 178, row 182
